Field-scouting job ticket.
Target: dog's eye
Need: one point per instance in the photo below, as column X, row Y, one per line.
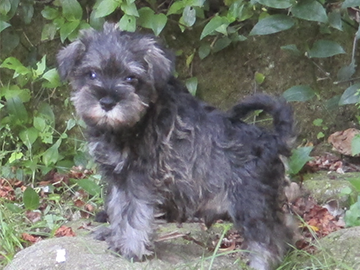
column 131, row 79
column 93, row 75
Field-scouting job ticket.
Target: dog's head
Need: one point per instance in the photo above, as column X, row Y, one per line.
column 115, row 75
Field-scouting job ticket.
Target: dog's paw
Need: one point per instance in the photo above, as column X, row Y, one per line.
column 102, row 233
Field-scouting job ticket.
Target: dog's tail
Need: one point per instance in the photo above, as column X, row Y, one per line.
column 278, row 108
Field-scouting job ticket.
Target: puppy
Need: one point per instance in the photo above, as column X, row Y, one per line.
column 160, row 148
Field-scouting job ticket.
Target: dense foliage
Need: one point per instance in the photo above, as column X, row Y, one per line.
column 35, row 140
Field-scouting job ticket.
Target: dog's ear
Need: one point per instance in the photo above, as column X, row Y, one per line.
column 160, row 62
column 68, row 57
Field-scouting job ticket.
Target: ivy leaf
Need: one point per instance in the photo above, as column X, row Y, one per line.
column 105, row 8
column 14, row 64
column 189, row 16
column 89, row 186
column 346, row 72
column 29, row 136
column 31, row 199
column 3, row 25
column 299, row 158
column 16, row 108
column 71, row 10
column 272, row 24
column 158, row 23
column 191, row 85
column 130, row 9
column 50, row 13
column 350, row 3
column 127, row 23
column 40, row 67
column 51, row 155
column 52, row 78
column 204, row 50
column 292, row 48
column 300, row 93
column 335, row 20
column 310, row 10
column 350, row 95
column 68, row 28
column 355, row 145
column 146, row 15
column 212, row 25
column 352, row 215
column 325, row 48
column 221, row 44
column 176, row 7
column 281, row 4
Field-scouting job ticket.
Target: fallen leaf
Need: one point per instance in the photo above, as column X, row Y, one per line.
column 64, row 231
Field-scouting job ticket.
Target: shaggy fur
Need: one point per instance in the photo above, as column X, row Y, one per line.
column 160, row 148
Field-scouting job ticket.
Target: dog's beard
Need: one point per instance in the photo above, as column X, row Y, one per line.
column 126, row 113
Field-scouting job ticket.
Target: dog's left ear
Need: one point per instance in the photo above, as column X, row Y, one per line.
column 68, row 57
column 160, row 63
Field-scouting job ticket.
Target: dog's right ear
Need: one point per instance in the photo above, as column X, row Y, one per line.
column 68, row 57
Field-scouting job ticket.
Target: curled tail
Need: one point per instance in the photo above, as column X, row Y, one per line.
column 278, row 108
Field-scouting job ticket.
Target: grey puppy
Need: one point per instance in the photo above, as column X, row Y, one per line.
column 161, row 149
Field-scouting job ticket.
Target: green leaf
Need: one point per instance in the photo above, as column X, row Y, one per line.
column 204, row 50
column 318, row 122
column 127, row 23
column 14, row 64
column 281, row 4
column 189, row 16
column 50, row 13
column 335, row 20
column 51, row 155
column 310, row 10
column 299, row 158
column 3, row 25
column 15, row 156
column 31, row 199
column 325, row 48
column 272, row 24
column 355, row 182
column 346, row 72
column 5, row 7
column 292, row 48
column 158, row 23
column 29, row 136
column 146, row 15
column 40, row 67
column 350, row 95
column 352, row 215
column 13, row 207
column 48, row 32
column 259, row 77
column 130, row 9
column 52, row 78
column 106, row 7
column 299, row 93
column 71, row 10
column 191, row 85
column 221, row 44
column 176, row 7
column 39, row 123
column 212, row 25
column 350, row 3
column 17, row 109
column 89, row 186
column 355, row 145
column 67, row 28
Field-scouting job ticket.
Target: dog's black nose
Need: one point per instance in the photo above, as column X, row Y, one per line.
column 107, row 103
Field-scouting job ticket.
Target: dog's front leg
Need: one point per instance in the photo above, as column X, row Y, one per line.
column 131, row 224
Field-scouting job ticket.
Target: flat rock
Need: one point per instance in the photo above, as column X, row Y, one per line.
column 83, row 252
